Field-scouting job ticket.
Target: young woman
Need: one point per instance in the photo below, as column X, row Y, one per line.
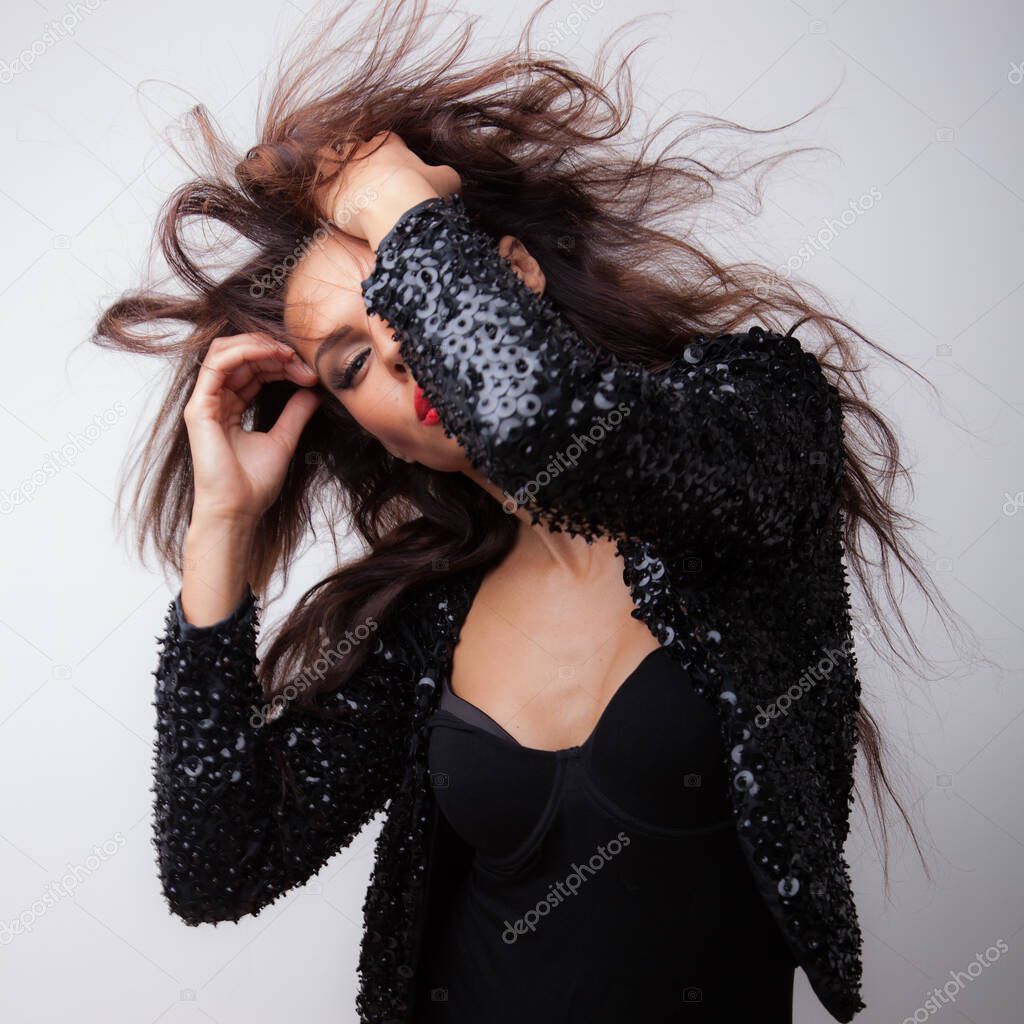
column 597, row 663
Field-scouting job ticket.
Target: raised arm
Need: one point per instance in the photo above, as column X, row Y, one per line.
column 247, row 808
column 736, row 448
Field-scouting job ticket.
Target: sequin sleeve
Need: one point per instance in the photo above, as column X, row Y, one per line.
column 736, row 446
column 250, row 800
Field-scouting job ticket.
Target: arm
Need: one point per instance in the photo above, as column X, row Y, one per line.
column 246, row 809
column 737, row 447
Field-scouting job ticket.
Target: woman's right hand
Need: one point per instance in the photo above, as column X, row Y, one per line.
column 238, row 473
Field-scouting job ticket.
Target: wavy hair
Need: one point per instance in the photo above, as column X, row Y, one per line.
column 544, row 153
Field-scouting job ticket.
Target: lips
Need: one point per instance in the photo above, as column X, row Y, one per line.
column 425, row 412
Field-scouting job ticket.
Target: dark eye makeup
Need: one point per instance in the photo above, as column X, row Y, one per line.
column 340, row 380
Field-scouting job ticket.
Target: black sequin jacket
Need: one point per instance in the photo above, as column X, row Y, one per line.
column 717, row 477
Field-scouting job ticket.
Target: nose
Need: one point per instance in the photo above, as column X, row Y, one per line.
column 387, row 346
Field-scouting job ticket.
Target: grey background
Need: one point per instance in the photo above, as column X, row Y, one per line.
column 929, row 115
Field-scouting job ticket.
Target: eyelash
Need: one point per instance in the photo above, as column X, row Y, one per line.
column 341, row 381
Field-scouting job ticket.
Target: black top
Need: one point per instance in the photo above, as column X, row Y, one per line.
column 605, row 881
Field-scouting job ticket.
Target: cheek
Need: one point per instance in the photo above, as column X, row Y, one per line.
column 380, row 415
column 378, row 410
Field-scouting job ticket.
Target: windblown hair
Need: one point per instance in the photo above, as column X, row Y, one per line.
column 544, row 153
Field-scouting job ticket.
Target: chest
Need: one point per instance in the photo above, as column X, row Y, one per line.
column 543, row 655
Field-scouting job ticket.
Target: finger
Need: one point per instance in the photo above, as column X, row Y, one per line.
column 259, row 371
column 242, row 355
column 232, row 365
column 227, row 351
column 294, row 370
column 234, row 386
column 294, row 417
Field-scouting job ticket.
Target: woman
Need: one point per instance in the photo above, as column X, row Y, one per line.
column 597, row 665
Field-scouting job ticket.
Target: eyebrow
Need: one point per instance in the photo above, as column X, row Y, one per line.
column 331, row 341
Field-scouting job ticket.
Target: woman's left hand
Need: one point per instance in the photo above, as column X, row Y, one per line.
column 371, row 171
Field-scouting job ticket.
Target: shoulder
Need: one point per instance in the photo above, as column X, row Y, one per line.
column 420, row 623
column 754, row 354
column 756, row 342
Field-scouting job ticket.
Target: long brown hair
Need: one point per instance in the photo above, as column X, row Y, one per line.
column 537, row 145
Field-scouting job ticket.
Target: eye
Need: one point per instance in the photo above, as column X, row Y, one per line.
column 342, row 380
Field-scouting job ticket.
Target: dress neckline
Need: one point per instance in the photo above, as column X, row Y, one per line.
column 506, row 737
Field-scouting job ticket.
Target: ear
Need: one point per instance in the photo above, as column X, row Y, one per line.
column 525, row 266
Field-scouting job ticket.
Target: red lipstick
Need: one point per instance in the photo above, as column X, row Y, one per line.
column 425, row 412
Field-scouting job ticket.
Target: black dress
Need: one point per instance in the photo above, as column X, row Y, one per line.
column 604, row 881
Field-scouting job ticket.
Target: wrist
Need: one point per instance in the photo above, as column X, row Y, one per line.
column 216, row 567
column 396, row 193
column 219, row 515
column 230, row 538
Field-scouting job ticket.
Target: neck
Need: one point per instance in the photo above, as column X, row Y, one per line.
column 547, row 551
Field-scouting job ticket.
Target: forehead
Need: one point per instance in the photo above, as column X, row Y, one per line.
column 324, row 290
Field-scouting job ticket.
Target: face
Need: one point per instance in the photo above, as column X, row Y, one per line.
column 355, row 355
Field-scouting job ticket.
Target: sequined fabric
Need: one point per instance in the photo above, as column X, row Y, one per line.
column 249, row 804
column 718, row 479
